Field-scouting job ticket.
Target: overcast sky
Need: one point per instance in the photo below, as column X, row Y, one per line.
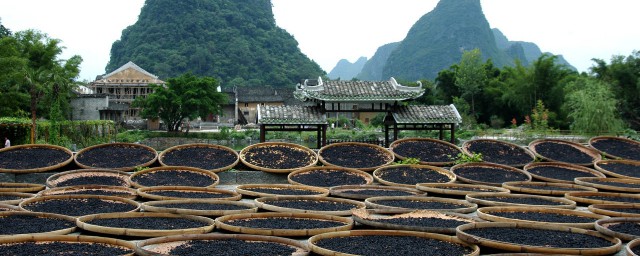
column 330, row 30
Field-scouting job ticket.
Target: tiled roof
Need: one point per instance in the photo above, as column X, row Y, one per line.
column 290, row 115
column 341, row 91
column 427, row 114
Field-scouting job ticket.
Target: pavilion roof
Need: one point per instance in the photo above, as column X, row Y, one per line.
column 356, row 91
column 427, row 114
column 293, row 115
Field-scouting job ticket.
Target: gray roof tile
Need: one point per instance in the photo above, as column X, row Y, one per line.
column 358, row 91
column 423, row 114
column 290, row 115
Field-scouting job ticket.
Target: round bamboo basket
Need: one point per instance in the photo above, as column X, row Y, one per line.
column 163, row 154
column 461, row 233
column 222, row 223
column 24, row 204
column 487, row 213
column 595, row 156
column 84, row 223
column 124, row 168
column 592, row 182
column 162, row 246
column 20, row 187
column 538, row 188
column 601, row 166
column 165, row 207
column 21, row 197
column 246, row 189
column 244, row 151
column 459, row 189
column 397, row 143
column 481, row 199
column 120, row 176
column 489, row 166
column 47, row 239
column 373, row 203
column 467, row 144
column 343, row 191
column 135, row 177
column 9, row 208
column 148, row 193
column 323, row 251
column 41, row 169
column 602, row 226
column 366, row 176
column 264, row 203
column 380, row 173
column 370, row 218
column 62, row 231
column 588, row 171
column 387, row 155
column 118, row 191
column 610, row 209
column 629, row 248
column 582, row 197
column 593, row 140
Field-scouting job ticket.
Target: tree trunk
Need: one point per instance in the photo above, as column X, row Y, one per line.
column 34, row 101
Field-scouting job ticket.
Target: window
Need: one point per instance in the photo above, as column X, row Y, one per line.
column 246, row 104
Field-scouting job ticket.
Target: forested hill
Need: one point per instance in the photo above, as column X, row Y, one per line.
column 236, row 42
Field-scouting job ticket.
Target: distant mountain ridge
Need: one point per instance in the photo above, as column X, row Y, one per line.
column 346, row 70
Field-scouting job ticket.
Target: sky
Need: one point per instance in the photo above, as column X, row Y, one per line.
column 330, row 30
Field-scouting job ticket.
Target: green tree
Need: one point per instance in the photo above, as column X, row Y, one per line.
column 186, row 96
column 471, row 76
column 592, row 107
column 4, row 32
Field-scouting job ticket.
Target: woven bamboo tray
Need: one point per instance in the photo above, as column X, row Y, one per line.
column 313, row 161
column 588, row 171
column 20, row 187
column 601, row 166
column 592, row 182
column 264, row 203
column 462, row 178
column 84, row 223
column 134, row 178
column 119, row 177
column 162, row 246
column 124, row 168
column 47, row 239
column 41, row 169
column 467, row 144
column 123, row 192
column 481, row 199
column 63, row 231
column 595, row 155
column 379, row 174
column 21, row 197
column 163, row 154
column 148, row 193
column 449, row 162
column 165, row 207
column 615, row 210
column 370, row 218
column 603, row 225
column 24, row 204
column 461, row 233
column 323, row 251
column 222, row 223
column 630, row 247
column 246, row 189
column 373, row 203
column 538, row 188
column 386, row 155
column 582, row 197
column 343, row 191
column 350, row 171
column 609, row 155
column 459, row 189
column 9, row 208
column 486, row 213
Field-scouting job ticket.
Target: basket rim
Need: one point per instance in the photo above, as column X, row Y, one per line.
column 20, row 187
column 465, row 148
column 157, row 206
column 125, row 168
column 477, row 198
column 243, row 189
column 162, row 154
column 615, row 174
column 486, row 213
column 69, row 238
column 47, row 192
column 361, row 216
column 367, row 176
column 381, row 149
column 63, row 197
column 436, row 188
column 400, row 141
column 263, row 203
column 264, row 169
column 577, row 197
column 63, row 231
column 211, row 174
column 465, row 205
column 487, row 165
column 347, row 222
column 41, row 169
column 377, row 174
column 513, row 186
column 124, row 175
column 597, row 138
column 604, row 209
column 21, row 195
column 586, row 181
column 601, row 227
column 573, row 167
column 83, row 223
column 594, row 154
column 338, row 190
column 144, row 192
